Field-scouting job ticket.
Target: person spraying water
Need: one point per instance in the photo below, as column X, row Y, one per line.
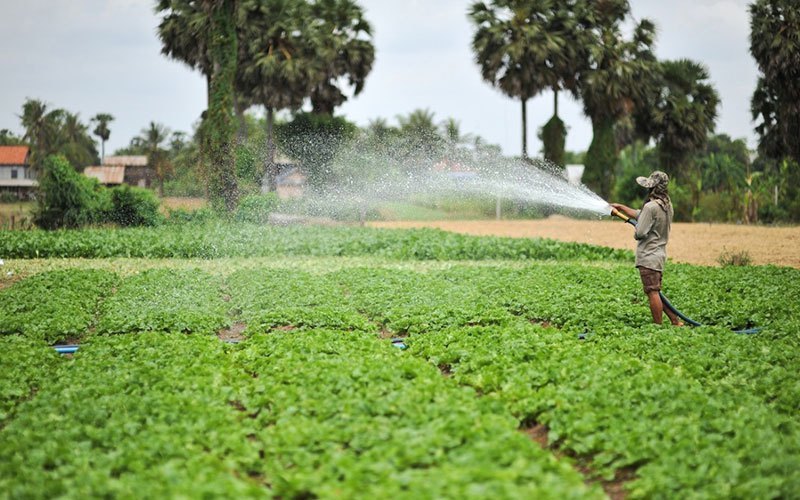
column 653, row 225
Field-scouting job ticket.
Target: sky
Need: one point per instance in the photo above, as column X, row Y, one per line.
column 93, row 56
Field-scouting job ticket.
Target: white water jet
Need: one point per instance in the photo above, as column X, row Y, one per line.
column 369, row 177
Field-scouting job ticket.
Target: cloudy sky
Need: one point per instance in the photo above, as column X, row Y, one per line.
column 92, row 56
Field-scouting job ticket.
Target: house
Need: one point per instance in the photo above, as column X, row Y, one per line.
column 136, row 170
column 107, row 176
column 16, row 175
column 117, row 170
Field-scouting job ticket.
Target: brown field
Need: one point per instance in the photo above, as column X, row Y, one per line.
column 694, row 243
column 184, row 203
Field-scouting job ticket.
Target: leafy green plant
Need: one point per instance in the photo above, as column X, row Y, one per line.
column 131, row 206
column 66, row 198
column 256, row 208
column 54, row 305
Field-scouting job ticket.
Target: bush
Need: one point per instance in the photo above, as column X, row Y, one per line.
column 66, row 198
column 184, row 216
column 132, row 206
column 734, row 258
column 256, row 208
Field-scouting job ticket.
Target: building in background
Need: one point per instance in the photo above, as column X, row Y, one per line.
column 116, row 170
column 17, row 178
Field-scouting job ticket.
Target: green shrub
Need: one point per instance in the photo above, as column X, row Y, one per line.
column 184, row 216
column 256, row 208
column 66, row 198
column 131, row 206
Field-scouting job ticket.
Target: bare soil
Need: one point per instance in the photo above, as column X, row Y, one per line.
column 694, row 243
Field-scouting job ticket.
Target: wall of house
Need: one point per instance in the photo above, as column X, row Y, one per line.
column 139, row 176
column 6, row 172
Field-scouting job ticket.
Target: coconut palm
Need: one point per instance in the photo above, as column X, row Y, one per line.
column 102, row 131
column 513, row 46
column 42, row 127
column 341, row 50
column 75, row 142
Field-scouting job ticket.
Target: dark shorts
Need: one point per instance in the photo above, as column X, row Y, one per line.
column 651, row 280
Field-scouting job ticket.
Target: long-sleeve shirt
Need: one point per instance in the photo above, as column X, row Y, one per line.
column 652, row 232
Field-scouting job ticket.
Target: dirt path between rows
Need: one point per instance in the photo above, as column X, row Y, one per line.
column 694, row 243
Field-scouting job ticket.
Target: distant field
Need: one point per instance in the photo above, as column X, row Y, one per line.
column 184, row 203
column 693, row 243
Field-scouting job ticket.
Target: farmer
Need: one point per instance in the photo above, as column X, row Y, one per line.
column 652, row 233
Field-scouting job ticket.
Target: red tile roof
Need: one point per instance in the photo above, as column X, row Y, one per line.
column 13, row 155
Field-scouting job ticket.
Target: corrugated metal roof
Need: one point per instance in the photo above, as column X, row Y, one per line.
column 125, row 161
column 13, row 155
column 106, row 175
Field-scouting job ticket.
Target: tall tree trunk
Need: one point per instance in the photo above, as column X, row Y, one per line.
column 219, row 128
column 102, row 151
column 524, row 128
column 554, row 135
column 241, row 131
column 270, row 167
column 601, row 158
column 555, row 102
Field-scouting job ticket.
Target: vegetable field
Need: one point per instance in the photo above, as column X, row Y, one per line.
column 258, row 362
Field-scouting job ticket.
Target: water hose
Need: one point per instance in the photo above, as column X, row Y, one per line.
column 665, row 300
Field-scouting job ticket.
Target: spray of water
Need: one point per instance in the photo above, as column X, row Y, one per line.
column 367, row 175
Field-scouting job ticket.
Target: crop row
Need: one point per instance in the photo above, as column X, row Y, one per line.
column 293, row 415
column 244, row 240
column 702, row 410
column 679, row 434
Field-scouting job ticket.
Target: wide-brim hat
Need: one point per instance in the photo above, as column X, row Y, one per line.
column 656, row 178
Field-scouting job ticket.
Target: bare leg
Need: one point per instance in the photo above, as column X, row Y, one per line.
column 656, row 307
column 673, row 317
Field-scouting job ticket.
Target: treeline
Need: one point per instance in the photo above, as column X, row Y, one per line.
column 285, row 57
column 633, row 100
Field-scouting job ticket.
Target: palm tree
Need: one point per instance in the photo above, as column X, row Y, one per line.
column 41, row 130
column 617, row 79
column 341, row 49
column 152, row 141
column 203, row 34
column 102, row 131
column 684, row 115
column 218, row 127
column 512, row 45
column 567, row 22
column 184, row 31
column 75, row 142
column 774, row 44
column 421, row 134
column 274, row 72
